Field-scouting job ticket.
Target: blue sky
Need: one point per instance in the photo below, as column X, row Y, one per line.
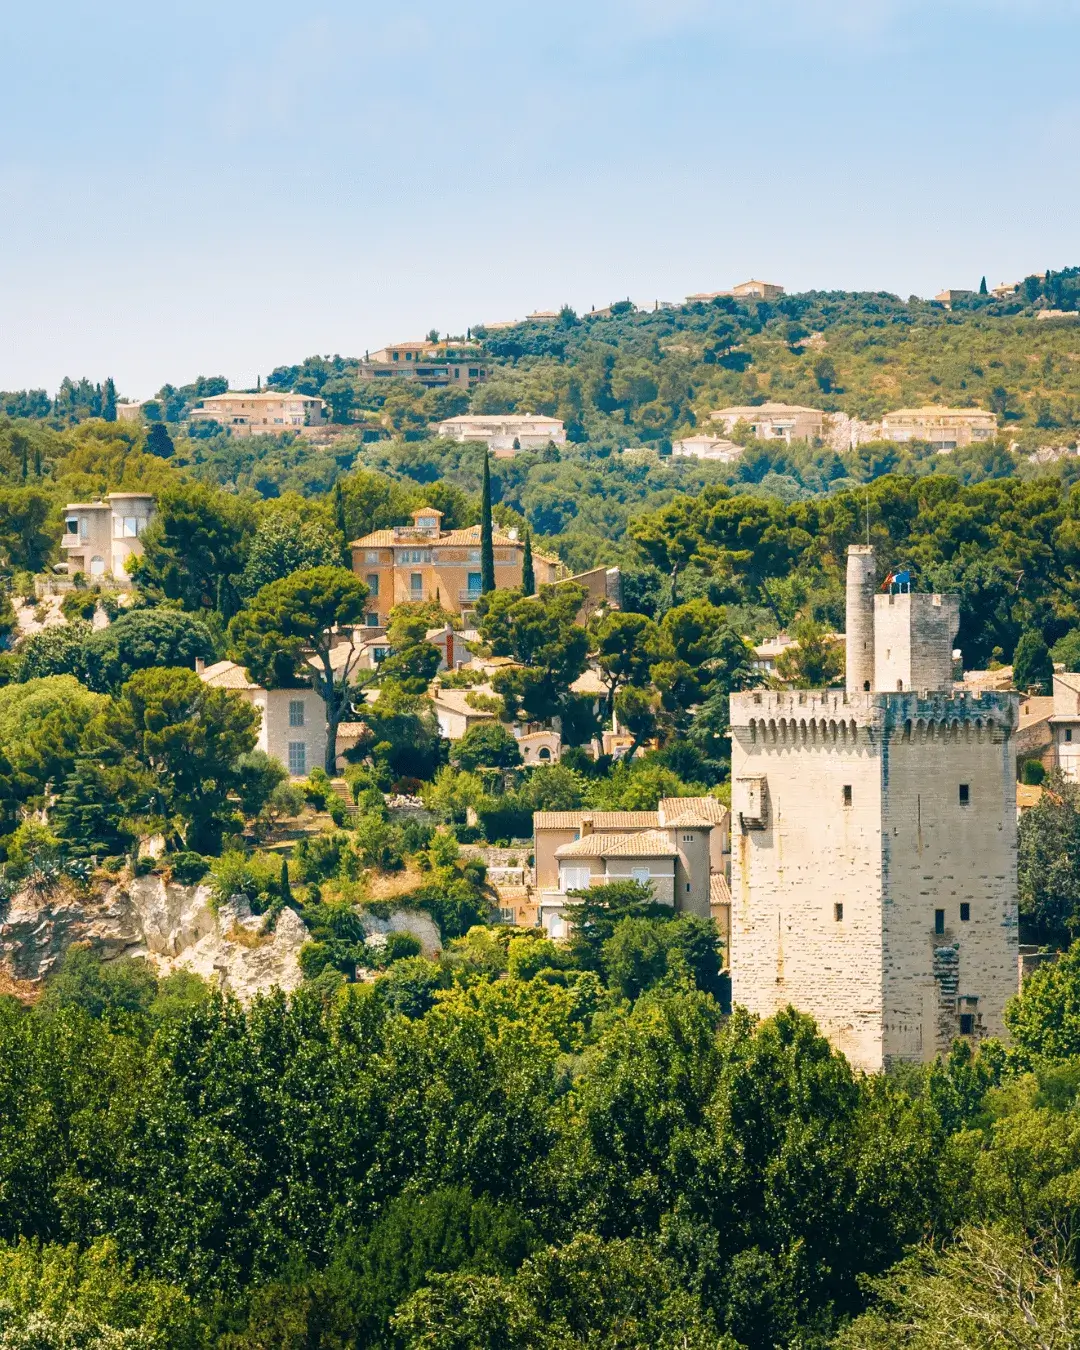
column 194, row 187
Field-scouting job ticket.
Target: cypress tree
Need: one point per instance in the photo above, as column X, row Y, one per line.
column 108, row 401
column 286, row 890
column 528, row 579
column 982, row 287
column 487, row 551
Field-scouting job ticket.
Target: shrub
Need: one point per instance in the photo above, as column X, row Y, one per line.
column 410, row 985
column 339, row 812
column 377, row 843
column 1033, row 772
column 400, row 946
column 529, row 955
column 235, row 874
column 318, row 857
column 188, row 868
column 317, row 788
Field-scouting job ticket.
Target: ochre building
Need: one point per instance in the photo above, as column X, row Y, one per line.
column 423, row 561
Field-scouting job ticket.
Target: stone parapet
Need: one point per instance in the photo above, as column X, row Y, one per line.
column 831, row 715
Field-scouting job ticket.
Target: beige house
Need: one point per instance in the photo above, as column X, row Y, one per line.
column 675, row 849
column 422, row 561
column 757, row 290
column 504, row 434
column 432, row 364
column 261, row 414
column 706, row 447
column 100, row 537
column 774, row 421
column 293, row 725
column 455, row 713
column 1065, row 726
column 949, row 298
column 945, row 428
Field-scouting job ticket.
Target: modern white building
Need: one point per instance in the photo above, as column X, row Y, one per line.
column 100, row 537
column 774, row 421
column 266, row 413
column 945, row 428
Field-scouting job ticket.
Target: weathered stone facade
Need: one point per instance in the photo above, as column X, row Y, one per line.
column 874, row 851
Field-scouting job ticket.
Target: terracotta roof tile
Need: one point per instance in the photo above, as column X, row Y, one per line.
column 645, row 844
column 227, row 675
column 601, row 820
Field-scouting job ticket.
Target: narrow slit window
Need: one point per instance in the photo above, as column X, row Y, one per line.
column 965, row 794
column 838, row 912
column 967, row 1024
column 939, row 921
column 965, row 912
column 847, row 794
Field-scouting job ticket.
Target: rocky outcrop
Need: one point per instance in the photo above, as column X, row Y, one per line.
column 173, row 927
column 413, row 921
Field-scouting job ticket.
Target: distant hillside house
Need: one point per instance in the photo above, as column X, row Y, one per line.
column 944, row 428
column 293, row 725
column 1004, row 290
column 775, row 421
column 506, row 433
column 757, row 290
column 949, row 298
column 432, row 364
column 267, row 414
column 422, row 562
column 706, row 447
column 100, row 537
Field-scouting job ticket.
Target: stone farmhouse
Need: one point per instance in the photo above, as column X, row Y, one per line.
column 422, row 561
column 100, row 537
column 873, row 880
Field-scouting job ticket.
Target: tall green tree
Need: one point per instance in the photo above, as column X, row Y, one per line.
column 196, row 541
column 1048, row 859
column 528, row 577
column 108, row 400
column 1033, row 668
column 487, row 551
column 624, row 646
column 310, row 614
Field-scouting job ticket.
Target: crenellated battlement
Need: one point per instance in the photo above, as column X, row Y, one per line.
column 835, row 716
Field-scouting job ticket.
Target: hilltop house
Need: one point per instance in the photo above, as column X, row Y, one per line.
column 944, row 428
column 423, row 562
column 261, row 414
column 774, row 421
column 504, row 434
column 706, row 447
column 432, row 364
column 99, row 537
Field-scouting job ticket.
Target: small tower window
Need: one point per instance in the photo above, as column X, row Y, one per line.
column 939, row 921
column 847, row 794
column 866, row 686
column 965, row 912
column 838, row 912
column 1068, row 733
column 967, row 1024
column 965, row 794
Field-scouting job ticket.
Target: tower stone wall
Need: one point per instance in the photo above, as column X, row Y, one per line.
column 860, row 618
column 913, row 640
column 850, row 831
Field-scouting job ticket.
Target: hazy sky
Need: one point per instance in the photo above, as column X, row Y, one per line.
column 217, row 186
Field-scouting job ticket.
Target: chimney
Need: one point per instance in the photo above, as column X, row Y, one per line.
column 586, row 826
column 200, row 665
column 859, row 624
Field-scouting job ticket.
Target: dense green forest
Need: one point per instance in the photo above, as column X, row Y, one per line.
column 518, row 1143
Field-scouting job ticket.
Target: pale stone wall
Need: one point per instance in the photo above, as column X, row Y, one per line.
column 939, row 854
column 913, row 641
column 879, row 981
column 692, row 869
column 661, row 875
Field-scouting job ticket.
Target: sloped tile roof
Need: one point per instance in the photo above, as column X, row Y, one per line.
column 227, row 675
column 601, row 820
column 646, row 844
column 719, row 890
column 680, row 810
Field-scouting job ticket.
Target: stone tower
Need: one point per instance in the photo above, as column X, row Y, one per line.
column 874, row 841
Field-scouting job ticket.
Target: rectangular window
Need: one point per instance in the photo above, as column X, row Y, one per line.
column 838, row 912
column 640, row 874
column 131, row 527
column 372, row 580
column 847, row 794
column 688, row 838
column 967, row 1024
column 1068, row 733
column 476, row 581
column 296, row 712
column 297, row 757
column 371, row 555
column 965, row 794
column 373, row 621
column 84, row 528
column 416, row 583
column 939, row 921
column 687, row 888
column 573, row 878
column 965, row 912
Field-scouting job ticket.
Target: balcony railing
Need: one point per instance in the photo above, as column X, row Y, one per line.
column 468, row 597
column 71, row 541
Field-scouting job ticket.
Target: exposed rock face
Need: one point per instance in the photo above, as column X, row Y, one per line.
column 421, row 925
column 172, row 926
